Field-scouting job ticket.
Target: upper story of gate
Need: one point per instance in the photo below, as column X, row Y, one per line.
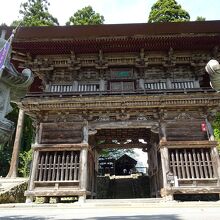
column 109, row 60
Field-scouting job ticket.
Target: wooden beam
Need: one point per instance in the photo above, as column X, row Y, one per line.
column 188, row 144
column 129, row 145
column 59, row 147
column 189, row 190
column 59, row 192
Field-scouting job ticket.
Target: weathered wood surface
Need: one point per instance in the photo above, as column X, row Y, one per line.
column 61, row 133
column 165, row 164
column 53, row 147
column 189, row 190
column 191, row 163
column 58, row 166
column 55, row 192
column 92, row 103
column 188, row 144
column 188, row 130
column 83, row 168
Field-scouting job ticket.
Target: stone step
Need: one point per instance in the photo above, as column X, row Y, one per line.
column 124, row 201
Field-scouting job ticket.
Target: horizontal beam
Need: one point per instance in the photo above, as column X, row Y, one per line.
column 59, row 147
column 187, row 144
column 190, row 190
column 130, row 145
column 116, row 102
column 57, row 192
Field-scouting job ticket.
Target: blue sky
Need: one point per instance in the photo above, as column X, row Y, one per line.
column 114, row 11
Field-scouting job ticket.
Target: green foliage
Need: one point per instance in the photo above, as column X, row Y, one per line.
column 26, row 141
column 200, row 18
column 116, row 153
column 25, row 163
column 85, row 16
column 168, row 11
column 16, row 23
column 35, row 13
column 6, row 149
column 5, row 158
column 28, row 130
column 216, row 127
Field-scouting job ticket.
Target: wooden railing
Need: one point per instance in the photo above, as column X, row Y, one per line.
column 110, row 92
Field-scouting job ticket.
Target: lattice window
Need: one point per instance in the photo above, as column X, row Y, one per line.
column 191, row 163
column 183, row 85
column 58, row 166
column 70, row 88
column 155, row 85
column 88, row 87
column 61, row 88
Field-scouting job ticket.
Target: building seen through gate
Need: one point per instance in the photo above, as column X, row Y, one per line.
column 97, row 86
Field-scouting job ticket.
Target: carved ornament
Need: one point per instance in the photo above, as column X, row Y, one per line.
column 184, row 116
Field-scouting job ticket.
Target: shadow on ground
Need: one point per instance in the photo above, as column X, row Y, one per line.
column 132, row 217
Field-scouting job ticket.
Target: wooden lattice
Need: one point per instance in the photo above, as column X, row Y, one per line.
column 191, row 163
column 58, row 166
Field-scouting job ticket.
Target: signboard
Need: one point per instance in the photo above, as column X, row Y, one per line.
column 121, row 73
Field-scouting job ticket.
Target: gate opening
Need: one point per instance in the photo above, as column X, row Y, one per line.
column 127, row 166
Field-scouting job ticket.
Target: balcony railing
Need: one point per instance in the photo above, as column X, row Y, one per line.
column 119, row 93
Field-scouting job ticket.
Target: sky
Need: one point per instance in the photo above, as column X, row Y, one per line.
column 114, row 11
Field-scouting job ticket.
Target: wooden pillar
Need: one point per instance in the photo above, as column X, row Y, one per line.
column 75, row 86
column 84, row 163
column 85, row 133
column 16, row 148
column 83, row 172
column 216, row 162
column 102, row 85
column 165, row 164
column 163, row 132
column 34, row 164
column 29, row 199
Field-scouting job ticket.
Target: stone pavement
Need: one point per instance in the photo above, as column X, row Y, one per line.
column 113, row 210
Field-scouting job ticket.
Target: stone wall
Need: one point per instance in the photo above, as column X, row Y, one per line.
column 103, row 187
column 112, row 187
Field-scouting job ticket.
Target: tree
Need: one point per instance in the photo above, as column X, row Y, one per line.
column 168, row 11
column 216, row 127
column 117, row 153
column 35, row 13
column 27, row 140
column 200, row 18
column 85, row 16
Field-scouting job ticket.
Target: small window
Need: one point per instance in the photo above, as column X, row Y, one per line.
column 155, row 85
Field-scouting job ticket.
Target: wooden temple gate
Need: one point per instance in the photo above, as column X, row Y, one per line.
column 99, row 86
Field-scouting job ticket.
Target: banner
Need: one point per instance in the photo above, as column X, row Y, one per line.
column 3, row 54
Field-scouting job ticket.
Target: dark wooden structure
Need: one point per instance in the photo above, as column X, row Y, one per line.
column 125, row 165
column 130, row 86
column 106, row 166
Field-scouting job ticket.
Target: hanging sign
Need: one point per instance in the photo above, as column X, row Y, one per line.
column 203, row 126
